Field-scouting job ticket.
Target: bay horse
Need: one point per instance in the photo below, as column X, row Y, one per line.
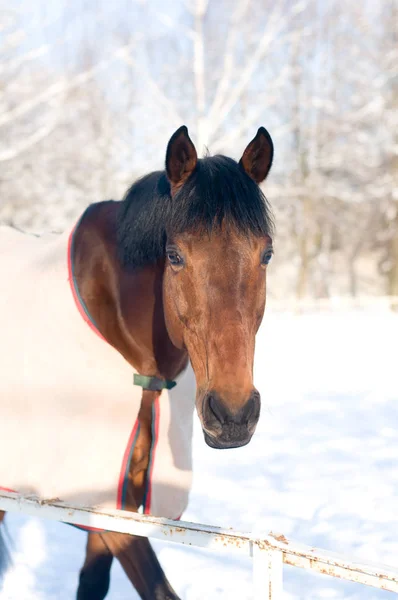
column 172, row 276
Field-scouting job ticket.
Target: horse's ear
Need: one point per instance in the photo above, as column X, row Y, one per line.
column 181, row 158
column 257, row 158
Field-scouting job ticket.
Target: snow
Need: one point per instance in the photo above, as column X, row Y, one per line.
column 322, row 469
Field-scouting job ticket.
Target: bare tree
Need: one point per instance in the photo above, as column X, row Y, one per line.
column 87, row 104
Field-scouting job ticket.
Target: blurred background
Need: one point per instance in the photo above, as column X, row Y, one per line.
column 91, row 91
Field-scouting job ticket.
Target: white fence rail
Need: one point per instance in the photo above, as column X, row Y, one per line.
column 268, row 552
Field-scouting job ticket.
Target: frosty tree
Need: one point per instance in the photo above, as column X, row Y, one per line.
column 90, row 95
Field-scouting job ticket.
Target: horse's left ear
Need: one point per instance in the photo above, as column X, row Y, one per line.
column 257, row 158
column 181, row 158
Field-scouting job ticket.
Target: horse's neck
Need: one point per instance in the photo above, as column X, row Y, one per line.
column 127, row 306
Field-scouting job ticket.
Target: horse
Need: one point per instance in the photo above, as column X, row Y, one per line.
column 169, row 279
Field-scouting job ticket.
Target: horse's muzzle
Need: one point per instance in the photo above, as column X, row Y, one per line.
column 224, row 427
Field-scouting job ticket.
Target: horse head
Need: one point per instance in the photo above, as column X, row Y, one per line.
column 217, row 245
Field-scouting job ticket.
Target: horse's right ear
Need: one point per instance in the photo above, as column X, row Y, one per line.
column 257, row 158
column 181, row 158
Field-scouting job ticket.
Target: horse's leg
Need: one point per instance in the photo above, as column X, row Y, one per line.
column 141, row 565
column 135, row 553
column 138, row 560
column 95, row 574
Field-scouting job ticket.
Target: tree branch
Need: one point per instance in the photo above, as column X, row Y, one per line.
column 56, row 89
column 172, row 113
column 35, row 138
column 224, row 83
column 274, row 26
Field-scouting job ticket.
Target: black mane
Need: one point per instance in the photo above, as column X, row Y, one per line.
column 217, row 191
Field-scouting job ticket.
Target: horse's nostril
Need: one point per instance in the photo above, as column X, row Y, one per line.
column 253, row 408
column 249, row 409
column 219, row 414
column 216, row 408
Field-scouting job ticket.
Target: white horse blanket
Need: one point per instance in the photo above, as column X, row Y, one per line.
column 68, row 406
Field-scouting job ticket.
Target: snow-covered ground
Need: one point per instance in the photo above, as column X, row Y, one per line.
column 322, row 468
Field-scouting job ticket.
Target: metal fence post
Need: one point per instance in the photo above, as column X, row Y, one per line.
column 267, row 572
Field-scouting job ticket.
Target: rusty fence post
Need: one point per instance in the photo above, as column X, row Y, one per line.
column 267, row 572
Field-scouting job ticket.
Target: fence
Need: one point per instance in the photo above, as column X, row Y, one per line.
column 268, row 552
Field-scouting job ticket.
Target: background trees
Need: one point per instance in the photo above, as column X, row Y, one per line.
column 90, row 93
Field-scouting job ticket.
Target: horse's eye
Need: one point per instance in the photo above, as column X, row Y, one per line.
column 174, row 258
column 266, row 257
